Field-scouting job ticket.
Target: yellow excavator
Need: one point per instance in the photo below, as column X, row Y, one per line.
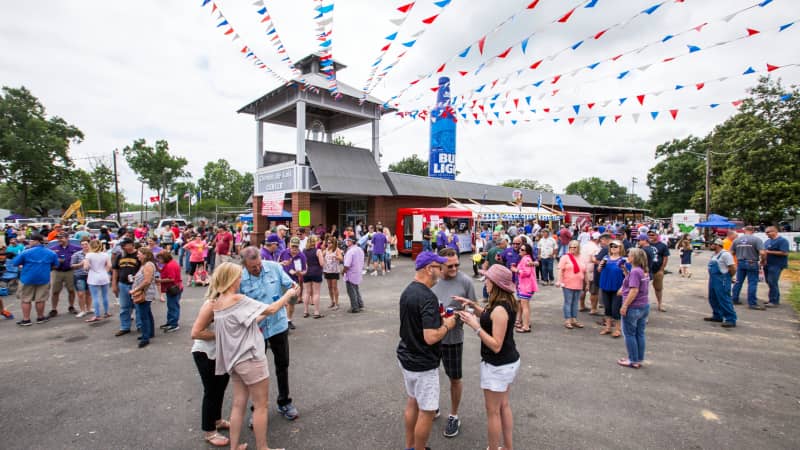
column 74, row 208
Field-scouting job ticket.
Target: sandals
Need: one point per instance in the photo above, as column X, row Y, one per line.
column 93, row 319
column 616, row 334
column 522, row 330
column 331, row 305
column 223, row 424
column 335, row 308
column 625, row 362
column 577, row 324
column 305, row 315
column 568, row 325
column 318, row 316
column 217, row 440
column 605, row 331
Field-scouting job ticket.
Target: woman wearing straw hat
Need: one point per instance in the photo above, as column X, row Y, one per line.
column 499, row 357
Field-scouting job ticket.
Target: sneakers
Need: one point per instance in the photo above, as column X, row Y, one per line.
column 166, row 325
column 6, row 314
column 288, row 411
column 291, row 325
column 172, row 329
column 81, row 314
column 437, row 414
column 42, row 320
column 452, row 427
column 53, row 313
column 72, row 310
column 122, row 333
column 728, row 325
column 24, row 323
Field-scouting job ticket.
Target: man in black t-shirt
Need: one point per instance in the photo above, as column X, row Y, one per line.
column 123, row 271
column 419, row 352
column 659, row 263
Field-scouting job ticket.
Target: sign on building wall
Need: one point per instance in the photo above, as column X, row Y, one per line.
column 278, row 180
column 442, row 155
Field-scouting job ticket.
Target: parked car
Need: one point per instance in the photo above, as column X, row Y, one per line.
column 93, row 226
column 180, row 222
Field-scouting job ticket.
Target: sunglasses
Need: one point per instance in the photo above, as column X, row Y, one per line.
column 573, row 247
column 614, row 246
column 452, row 266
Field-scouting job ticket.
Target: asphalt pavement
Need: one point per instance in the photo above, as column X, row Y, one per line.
column 69, row 385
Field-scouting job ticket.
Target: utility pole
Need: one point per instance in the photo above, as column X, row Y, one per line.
column 116, row 183
column 708, row 181
column 141, row 202
column 633, row 188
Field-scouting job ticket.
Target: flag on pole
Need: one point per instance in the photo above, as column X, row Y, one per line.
column 559, row 202
column 155, row 199
column 187, row 195
column 540, row 200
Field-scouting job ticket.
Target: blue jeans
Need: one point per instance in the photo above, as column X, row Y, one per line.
column 98, row 292
column 571, row 297
column 773, row 275
column 719, row 297
column 749, row 270
column 633, row 324
column 547, row 269
column 144, row 313
column 126, row 308
column 185, row 259
column 426, row 246
column 173, row 309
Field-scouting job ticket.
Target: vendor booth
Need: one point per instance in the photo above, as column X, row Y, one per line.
column 508, row 213
column 411, row 222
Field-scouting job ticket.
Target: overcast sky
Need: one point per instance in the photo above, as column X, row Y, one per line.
column 164, row 70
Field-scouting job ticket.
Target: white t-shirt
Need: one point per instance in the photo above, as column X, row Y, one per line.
column 547, row 246
column 98, row 275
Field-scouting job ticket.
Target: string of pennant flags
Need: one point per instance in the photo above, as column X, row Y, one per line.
column 548, row 83
column 553, row 79
column 523, row 44
column 404, row 10
column 481, row 111
column 374, row 80
column 274, row 38
column 246, row 51
column 324, row 21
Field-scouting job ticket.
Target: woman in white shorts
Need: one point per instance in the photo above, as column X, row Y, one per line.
column 240, row 348
column 499, row 356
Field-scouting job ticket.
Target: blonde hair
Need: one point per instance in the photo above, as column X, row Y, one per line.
column 577, row 245
column 638, row 258
column 95, row 246
column 311, row 242
column 223, row 277
column 619, row 245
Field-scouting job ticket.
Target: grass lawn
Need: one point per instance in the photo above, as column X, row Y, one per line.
column 793, row 274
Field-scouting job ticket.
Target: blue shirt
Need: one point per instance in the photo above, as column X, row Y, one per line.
column 36, row 263
column 267, row 288
column 15, row 249
column 611, row 276
column 441, row 239
column 780, row 244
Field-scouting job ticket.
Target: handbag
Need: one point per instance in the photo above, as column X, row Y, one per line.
column 173, row 290
column 138, row 296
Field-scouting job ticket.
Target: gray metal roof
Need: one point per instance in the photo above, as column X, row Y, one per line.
column 345, row 170
column 414, row 185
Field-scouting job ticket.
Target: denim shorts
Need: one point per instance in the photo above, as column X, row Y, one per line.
column 80, row 283
column 377, row 257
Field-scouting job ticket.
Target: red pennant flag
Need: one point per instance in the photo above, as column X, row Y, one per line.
column 386, row 47
column 266, row 18
column 617, row 117
column 555, row 92
column 536, row 64
column 597, row 36
column 673, row 113
column 571, row 120
column 751, row 32
column 481, row 108
column 505, row 53
column 434, row 89
column 463, row 72
column 494, row 83
column 473, row 104
column 414, row 82
column 516, row 103
column 590, row 105
column 244, row 49
column 770, row 67
column 700, row 27
column 230, row 30
column 508, row 112
column 214, row 9
column 566, row 16
column 547, row 110
column 430, row 19
column 555, row 79
column 700, row 86
column 441, row 68
column 406, row 8
column 532, row 4
column 668, row 59
column 475, row 115
column 480, row 44
column 736, row 103
column 489, row 122
column 640, row 98
column 617, row 57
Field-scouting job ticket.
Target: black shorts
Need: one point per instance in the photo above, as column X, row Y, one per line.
column 312, row 279
column 451, row 360
column 332, row 276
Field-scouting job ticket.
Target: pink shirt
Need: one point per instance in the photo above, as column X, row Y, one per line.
column 567, row 276
column 527, row 276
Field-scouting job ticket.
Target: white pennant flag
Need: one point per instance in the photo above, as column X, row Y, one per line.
column 605, row 103
column 635, row 117
column 398, row 22
column 418, row 33
column 644, row 67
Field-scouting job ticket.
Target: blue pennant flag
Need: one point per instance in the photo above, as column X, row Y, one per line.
column 491, row 105
column 325, row 9
column 559, row 202
column 464, row 115
column 652, row 9
column 654, row 114
column 513, row 122
column 601, row 119
column 785, row 26
column 538, row 83
column 325, row 44
column 622, row 100
column 713, row 105
column 667, row 37
column 528, row 100
column 480, row 88
column 524, row 45
column 763, row 4
column 577, row 108
column 749, row 71
column 576, row 45
column 533, row 111
column 477, row 122
column 497, row 114
column 442, row 3
column 556, row 119
column 622, row 74
column 271, row 31
column 205, row 2
column 693, row 48
column 262, row 11
column 494, row 97
column 591, row 4
column 678, row 87
column 391, row 36
column 409, row 43
column 592, row 66
column 223, row 23
column 465, row 52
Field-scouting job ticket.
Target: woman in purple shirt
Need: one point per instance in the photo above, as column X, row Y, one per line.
column 635, row 307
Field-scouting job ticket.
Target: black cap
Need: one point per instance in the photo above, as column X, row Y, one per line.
column 37, row 237
column 125, row 242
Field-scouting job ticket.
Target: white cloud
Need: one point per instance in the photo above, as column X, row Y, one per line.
column 162, row 70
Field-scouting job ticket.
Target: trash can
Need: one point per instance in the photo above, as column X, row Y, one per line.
column 797, row 243
column 416, row 249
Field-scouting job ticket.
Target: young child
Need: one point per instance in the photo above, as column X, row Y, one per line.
column 685, row 250
column 4, row 258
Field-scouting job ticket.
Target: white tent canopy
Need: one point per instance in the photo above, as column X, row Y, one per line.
column 494, row 213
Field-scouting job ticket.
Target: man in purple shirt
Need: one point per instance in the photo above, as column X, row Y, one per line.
column 378, row 253
column 270, row 251
column 295, row 265
column 353, row 264
column 62, row 274
column 511, row 255
column 441, row 237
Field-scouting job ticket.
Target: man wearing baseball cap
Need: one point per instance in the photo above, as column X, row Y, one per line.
column 720, row 270
column 419, row 351
column 353, row 265
column 270, row 250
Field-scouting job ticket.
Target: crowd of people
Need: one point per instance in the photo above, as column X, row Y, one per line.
column 253, row 291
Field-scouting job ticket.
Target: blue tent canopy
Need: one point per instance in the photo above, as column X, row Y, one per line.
column 716, row 221
column 285, row 215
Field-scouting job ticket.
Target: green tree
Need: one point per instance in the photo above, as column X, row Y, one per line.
column 603, row 192
column 676, row 182
column 340, row 140
column 34, row 150
column 101, row 178
column 157, row 167
column 411, row 165
column 527, row 183
column 221, row 182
